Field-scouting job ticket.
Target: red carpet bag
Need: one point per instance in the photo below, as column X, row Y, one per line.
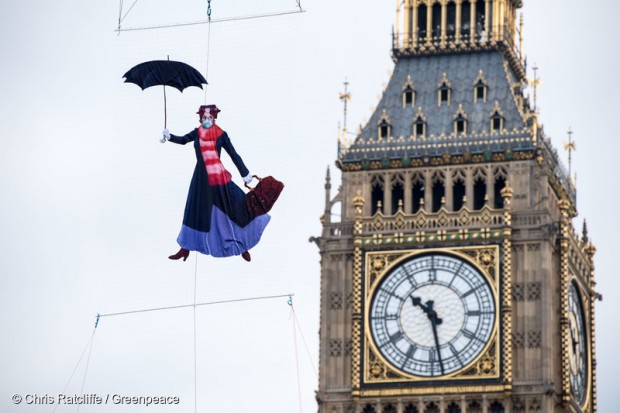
column 261, row 198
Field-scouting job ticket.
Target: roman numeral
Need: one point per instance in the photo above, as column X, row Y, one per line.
column 432, row 275
column 396, row 337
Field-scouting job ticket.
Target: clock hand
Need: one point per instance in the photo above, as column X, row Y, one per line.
column 434, row 324
column 432, row 314
column 417, row 302
column 435, row 321
column 573, row 340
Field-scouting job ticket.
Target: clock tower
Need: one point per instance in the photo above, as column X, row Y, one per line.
column 453, row 280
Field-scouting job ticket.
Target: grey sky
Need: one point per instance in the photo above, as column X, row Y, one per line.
column 92, row 202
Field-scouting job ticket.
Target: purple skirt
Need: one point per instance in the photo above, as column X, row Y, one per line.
column 225, row 238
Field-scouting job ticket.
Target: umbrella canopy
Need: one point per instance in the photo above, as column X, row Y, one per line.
column 178, row 75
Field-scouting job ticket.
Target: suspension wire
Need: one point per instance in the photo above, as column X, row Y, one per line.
column 88, row 345
column 120, row 13
column 195, row 352
column 208, row 49
column 235, row 300
column 221, row 20
column 303, row 339
column 125, row 15
column 90, row 350
column 293, row 318
column 121, row 17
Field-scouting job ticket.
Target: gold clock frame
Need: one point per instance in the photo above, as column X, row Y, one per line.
column 376, row 370
column 585, row 308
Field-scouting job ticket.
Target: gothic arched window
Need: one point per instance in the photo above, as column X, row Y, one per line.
column 497, row 119
column 408, row 97
column 439, row 192
column 376, row 195
column 419, row 124
column 496, row 407
column 398, row 193
column 444, row 91
column 384, row 126
column 496, row 122
column 480, row 92
column 409, row 93
column 451, row 20
column 411, row 408
column 431, row 408
column 453, row 408
column 500, row 183
column 417, row 193
column 460, row 125
column 458, row 194
column 422, row 20
column 480, row 191
column 369, row 408
column 389, row 409
column 465, row 20
column 480, row 88
column 474, row 407
column 384, row 129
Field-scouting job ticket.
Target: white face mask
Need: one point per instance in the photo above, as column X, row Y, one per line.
column 207, row 123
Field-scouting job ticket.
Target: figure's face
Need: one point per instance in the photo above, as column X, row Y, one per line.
column 207, row 120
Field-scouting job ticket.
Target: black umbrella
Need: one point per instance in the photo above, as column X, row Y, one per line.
column 178, row 75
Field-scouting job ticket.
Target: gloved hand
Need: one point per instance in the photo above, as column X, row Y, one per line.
column 248, row 179
column 166, row 135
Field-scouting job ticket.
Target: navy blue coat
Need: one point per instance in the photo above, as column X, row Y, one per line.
column 229, row 198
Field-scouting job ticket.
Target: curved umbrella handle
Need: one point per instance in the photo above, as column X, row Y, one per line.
column 165, row 111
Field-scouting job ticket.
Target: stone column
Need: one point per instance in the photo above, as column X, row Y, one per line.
column 469, row 189
column 472, row 20
column 487, row 18
column 428, row 191
column 490, row 187
column 444, row 23
column 429, row 22
column 449, row 191
column 406, row 22
column 408, row 201
column 457, row 37
column 414, row 25
column 387, row 194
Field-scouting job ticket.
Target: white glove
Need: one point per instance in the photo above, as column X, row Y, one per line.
column 248, row 179
column 166, row 135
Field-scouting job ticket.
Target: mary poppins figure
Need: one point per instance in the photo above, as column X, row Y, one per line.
column 216, row 221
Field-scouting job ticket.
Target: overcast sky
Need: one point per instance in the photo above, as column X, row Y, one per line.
column 92, row 202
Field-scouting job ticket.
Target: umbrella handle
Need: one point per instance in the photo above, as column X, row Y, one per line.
column 165, row 111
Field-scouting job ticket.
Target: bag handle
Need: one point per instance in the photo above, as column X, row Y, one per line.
column 249, row 187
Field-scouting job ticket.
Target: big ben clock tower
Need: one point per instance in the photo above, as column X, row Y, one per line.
column 454, row 281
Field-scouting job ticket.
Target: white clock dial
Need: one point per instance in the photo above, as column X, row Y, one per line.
column 432, row 315
column 577, row 350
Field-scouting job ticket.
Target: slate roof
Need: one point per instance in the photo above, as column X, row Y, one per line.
column 461, row 71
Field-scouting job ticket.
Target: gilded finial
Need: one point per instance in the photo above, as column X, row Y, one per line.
column 506, row 192
column 535, row 83
column 358, row 202
column 570, row 146
column 584, row 233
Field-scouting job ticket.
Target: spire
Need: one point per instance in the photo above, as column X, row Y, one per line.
column 328, row 187
column 535, row 83
column 584, row 233
column 570, row 147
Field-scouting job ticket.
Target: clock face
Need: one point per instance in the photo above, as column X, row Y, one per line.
column 432, row 315
column 577, row 351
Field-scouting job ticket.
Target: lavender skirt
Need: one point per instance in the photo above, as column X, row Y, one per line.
column 225, row 238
